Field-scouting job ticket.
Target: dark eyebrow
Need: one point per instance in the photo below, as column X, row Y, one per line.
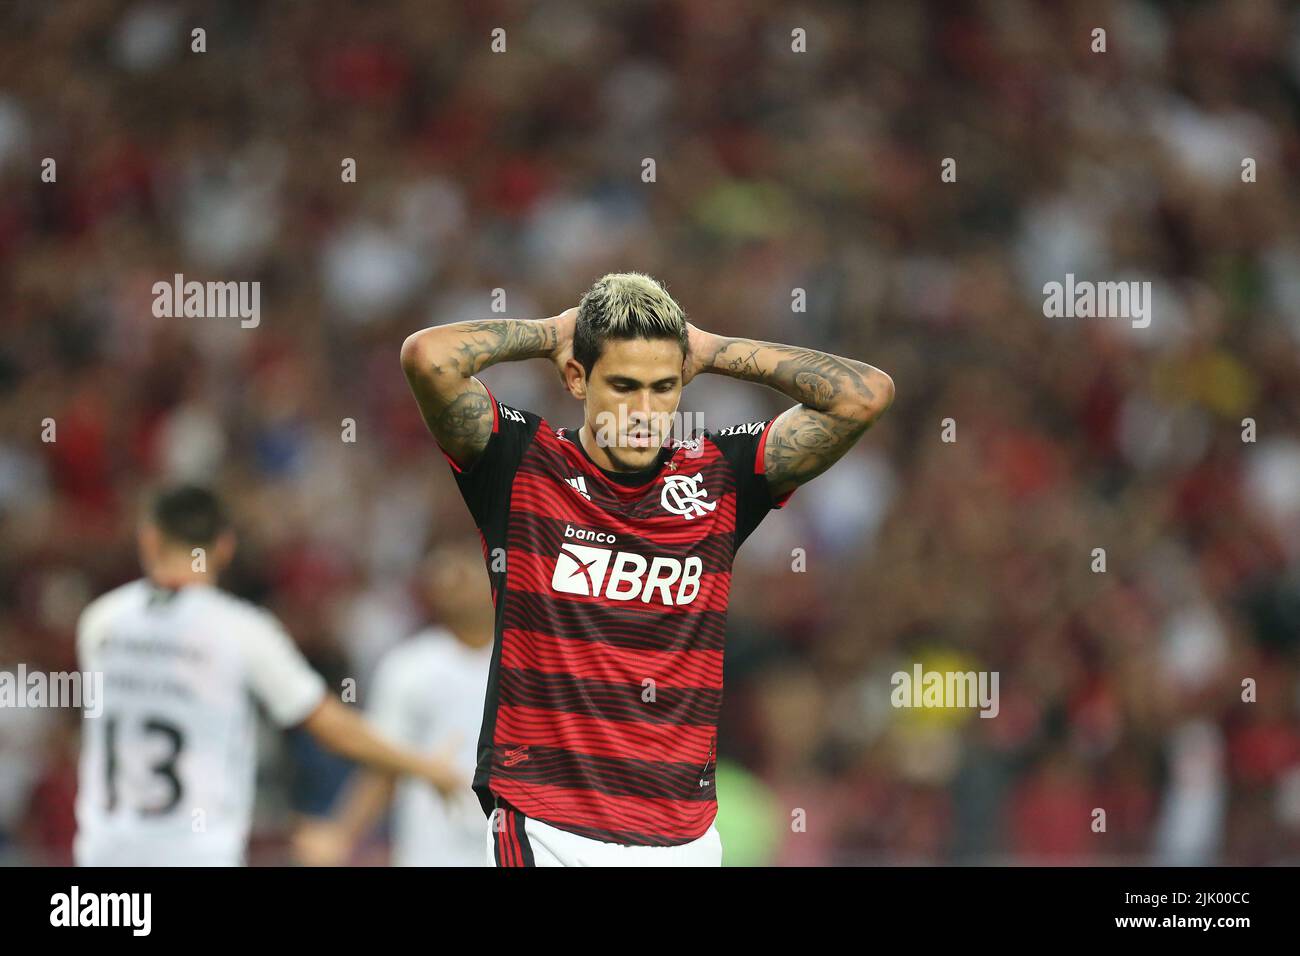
column 624, row 380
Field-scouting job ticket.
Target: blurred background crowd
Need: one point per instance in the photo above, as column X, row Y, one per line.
column 521, row 171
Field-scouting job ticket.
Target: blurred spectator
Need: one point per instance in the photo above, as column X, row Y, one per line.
column 776, row 171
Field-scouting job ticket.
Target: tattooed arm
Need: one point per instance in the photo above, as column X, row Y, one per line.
column 440, row 364
column 841, row 398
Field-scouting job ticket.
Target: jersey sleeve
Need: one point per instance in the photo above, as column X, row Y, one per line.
column 742, row 446
column 278, row 675
column 485, row 482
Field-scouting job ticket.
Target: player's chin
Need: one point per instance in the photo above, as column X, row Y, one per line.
column 638, row 451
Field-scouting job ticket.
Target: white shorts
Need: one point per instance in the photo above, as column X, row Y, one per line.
column 516, row 840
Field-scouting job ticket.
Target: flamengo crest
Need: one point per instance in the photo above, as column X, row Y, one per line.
column 683, row 496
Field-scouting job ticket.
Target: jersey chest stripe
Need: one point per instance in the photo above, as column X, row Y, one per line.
column 545, row 498
column 527, row 514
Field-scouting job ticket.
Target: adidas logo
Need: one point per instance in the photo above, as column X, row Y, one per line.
column 579, row 485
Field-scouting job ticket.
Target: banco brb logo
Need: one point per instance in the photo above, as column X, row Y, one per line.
column 626, row 575
column 682, row 495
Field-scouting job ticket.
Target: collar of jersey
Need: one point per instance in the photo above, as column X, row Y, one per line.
column 619, row 479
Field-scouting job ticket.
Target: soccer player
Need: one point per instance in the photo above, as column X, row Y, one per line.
column 167, row 769
column 609, row 551
column 428, row 694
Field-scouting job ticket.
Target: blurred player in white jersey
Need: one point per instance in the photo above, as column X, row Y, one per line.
column 167, row 770
column 428, row 692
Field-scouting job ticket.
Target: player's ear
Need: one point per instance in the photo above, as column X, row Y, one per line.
column 575, row 379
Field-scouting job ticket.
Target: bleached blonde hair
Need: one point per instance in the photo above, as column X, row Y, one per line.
column 625, row 305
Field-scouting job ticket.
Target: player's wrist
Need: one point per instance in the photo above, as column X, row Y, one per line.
column 704, row 347
column 559, row 331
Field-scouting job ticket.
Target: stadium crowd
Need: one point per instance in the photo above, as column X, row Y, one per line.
column 513, row 179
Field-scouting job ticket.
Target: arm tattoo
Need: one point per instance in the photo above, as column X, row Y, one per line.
column 840, row 399
column 802, row 443
column 466, row 422
column 484, row 343
column 742, row 365
column 455, row 406
column 815, row 378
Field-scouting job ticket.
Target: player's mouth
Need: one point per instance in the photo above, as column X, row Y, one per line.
column 638, row 440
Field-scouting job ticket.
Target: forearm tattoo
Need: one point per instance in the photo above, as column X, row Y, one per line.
column 815, row 378
column 840, row 399
column 480, row 344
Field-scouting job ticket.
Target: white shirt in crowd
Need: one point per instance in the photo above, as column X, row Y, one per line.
column 427, row 690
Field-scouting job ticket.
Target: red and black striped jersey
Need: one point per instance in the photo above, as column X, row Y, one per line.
column 611, row 593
